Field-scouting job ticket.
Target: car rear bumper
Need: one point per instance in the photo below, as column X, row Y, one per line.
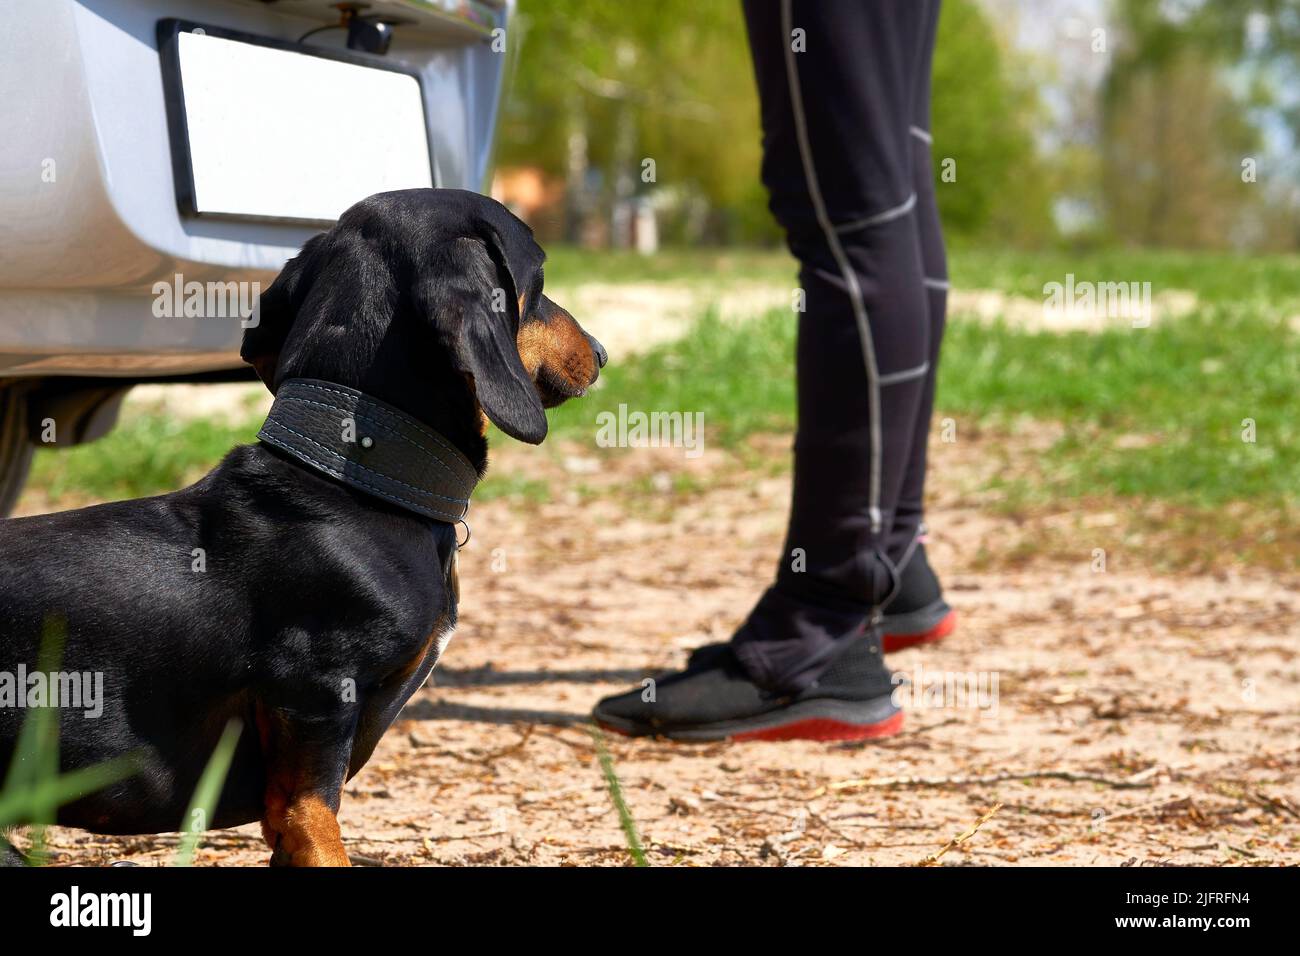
column 89, row 221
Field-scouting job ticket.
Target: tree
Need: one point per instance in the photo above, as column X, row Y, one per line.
column 601, row 87
column 622, row 83
column 1191, row 86
column 984, row 122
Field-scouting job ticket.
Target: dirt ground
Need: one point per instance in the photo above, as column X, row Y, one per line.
column 1141, row 718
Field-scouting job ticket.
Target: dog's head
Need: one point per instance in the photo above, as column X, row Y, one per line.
column 430, row 299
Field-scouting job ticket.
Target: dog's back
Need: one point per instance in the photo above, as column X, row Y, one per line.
column 245, row 576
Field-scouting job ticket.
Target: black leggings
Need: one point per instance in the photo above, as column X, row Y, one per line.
column 845, row 93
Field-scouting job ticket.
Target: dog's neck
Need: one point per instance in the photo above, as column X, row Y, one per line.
column 442, row 399
column 371, row 446
column 448, row 408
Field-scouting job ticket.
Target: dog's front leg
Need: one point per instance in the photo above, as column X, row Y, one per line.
column 303, row 830
column 306, row 765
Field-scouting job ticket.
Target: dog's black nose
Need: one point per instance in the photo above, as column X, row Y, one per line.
column 601, row 355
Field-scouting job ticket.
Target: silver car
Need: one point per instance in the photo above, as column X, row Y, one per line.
column 161, row 159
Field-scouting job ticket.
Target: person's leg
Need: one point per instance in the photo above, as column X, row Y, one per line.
column 836, row 83
column 918, row 613
column 935, row 265
column 838, row 165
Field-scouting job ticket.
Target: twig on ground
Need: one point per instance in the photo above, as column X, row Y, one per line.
column 582, row 746
column 513, row 748
column 473, row 757
column 1277, row 803
column 1142, row 808
column 961, row 838
column 1138, row 781
column 897, row 738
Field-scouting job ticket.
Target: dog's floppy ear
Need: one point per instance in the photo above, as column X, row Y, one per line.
column 277, row 307
column 469, row 294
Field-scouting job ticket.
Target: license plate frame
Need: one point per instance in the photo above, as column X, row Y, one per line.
column 205, row 190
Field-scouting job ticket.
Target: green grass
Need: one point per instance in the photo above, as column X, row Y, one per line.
column 149, row 453
column 625, row 819
column 33, row 788
column 1146, row 413
column 1154, row 412
column 203, row 804
column 512, row 484
column 740, row 376
column 1264, row 282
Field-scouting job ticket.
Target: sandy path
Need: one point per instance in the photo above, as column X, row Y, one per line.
column 630, row 317
column 1173, row 700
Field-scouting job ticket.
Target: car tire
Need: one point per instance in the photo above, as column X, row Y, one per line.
column 16, row 448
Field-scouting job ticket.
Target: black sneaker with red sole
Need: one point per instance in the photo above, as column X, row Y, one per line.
column 713, row 699
column 918, row 614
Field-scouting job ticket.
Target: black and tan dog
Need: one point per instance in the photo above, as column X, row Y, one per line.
column 308, row 601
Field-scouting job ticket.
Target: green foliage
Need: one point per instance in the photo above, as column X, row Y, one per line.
column 676, row 75
column 567, row 266
column 1191, row 89
column 670, row 80
column 983, row 121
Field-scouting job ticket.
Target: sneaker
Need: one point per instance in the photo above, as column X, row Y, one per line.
column 714, row 699
column 918, row 614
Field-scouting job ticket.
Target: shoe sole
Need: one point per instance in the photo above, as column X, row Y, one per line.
column 819, row 719
column 925, row 626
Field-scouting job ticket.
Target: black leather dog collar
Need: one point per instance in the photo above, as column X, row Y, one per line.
column 371, row 446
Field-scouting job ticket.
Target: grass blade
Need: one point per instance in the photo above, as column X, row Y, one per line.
column 204, row 803
column 616, row 796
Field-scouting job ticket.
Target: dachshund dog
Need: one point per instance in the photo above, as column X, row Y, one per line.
column 300, row 587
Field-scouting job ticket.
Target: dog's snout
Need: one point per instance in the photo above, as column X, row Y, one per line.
column 601, row 355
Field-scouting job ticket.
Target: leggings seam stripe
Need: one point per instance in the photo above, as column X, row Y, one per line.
column 880, row 218
column 906, row 375
column 846, row 271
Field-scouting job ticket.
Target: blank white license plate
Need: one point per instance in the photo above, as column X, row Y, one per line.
column 274, row 134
